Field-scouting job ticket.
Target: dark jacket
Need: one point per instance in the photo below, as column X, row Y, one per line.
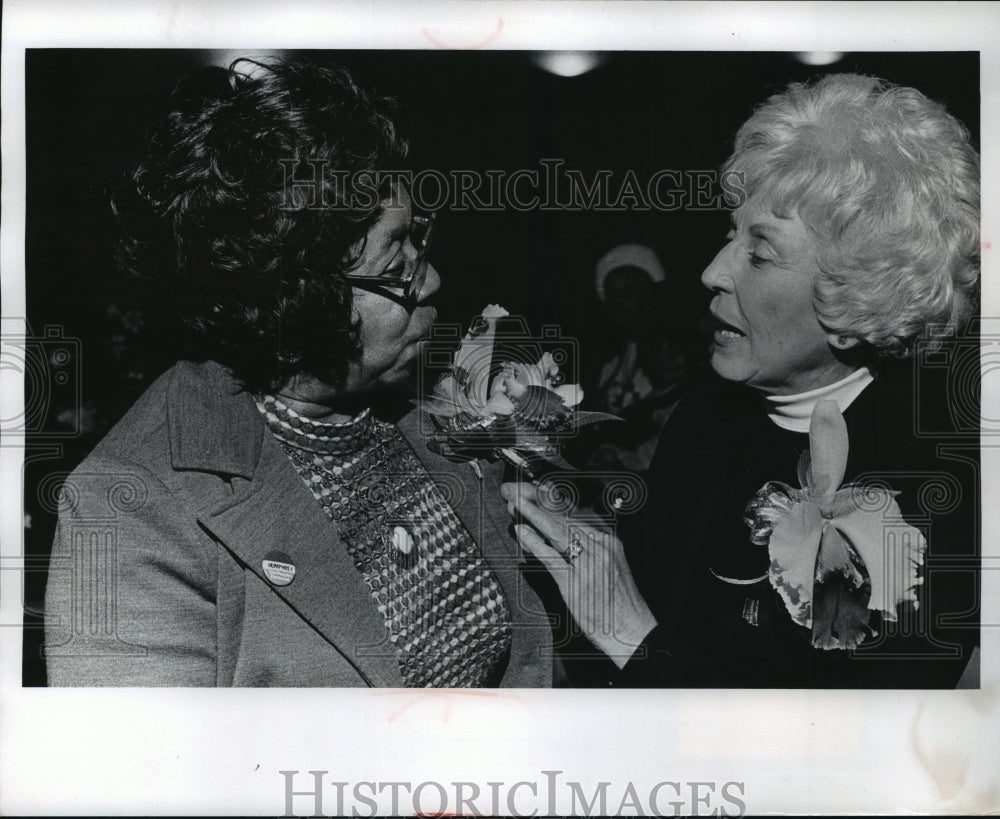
column 717, row 450
column 157, row 578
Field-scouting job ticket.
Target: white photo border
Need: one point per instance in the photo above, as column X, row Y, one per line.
column 174, row 751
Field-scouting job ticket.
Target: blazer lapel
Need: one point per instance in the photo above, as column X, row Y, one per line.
column 275, row 513
column 215, row 428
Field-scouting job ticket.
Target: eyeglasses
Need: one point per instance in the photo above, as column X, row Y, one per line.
column 414, row 273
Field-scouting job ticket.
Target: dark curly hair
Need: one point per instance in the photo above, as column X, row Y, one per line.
column 255, row 281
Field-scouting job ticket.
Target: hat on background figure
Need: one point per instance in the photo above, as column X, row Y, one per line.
column 639, row 256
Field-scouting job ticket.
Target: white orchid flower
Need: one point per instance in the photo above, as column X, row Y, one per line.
column 467, row 389
column 514, row 380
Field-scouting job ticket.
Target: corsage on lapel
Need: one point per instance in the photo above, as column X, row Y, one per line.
column 517, row 410
column 837, row 553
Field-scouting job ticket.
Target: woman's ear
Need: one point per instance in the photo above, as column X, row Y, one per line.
column 840, row 341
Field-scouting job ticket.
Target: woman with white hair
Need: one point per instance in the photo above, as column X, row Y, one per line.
column 812, row 517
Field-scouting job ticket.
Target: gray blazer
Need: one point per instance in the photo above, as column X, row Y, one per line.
column 156, row 576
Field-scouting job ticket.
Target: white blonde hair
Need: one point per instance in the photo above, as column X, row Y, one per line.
column 888, row 182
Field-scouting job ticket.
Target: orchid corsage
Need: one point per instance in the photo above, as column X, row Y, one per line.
column 838, row 554
column 518, row 411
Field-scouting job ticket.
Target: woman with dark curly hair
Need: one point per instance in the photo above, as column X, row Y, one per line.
column 286, row 525
column 804, row 528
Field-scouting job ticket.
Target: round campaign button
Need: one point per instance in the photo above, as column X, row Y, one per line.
column 278, row 568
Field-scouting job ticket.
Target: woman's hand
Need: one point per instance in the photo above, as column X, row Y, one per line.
column 589, row 567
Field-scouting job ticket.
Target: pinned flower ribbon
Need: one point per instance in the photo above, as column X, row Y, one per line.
column 833, row 559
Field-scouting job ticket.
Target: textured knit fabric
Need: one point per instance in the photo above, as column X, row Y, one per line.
column 158, row 574
column 443, row 609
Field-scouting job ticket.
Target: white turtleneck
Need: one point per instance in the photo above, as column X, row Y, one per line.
column 794, row 412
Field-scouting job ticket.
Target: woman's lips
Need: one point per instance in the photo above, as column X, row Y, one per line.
column 726, row 333
column 723, row 337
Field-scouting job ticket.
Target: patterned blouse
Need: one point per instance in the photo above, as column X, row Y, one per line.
column 444, row 610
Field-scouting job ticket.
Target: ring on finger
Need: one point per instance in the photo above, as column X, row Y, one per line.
column 575, row 548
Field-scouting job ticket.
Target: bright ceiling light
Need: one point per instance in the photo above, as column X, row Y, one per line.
column 818, row 57
column 569, row 63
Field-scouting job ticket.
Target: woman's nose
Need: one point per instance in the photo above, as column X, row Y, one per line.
column 718, row 275
column 432, row 283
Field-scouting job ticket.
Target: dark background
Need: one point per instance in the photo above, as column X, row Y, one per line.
column 88, row 112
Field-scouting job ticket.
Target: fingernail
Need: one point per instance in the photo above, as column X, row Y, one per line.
column 508, row 490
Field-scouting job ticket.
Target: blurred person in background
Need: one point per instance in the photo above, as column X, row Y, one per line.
column 652, row 360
